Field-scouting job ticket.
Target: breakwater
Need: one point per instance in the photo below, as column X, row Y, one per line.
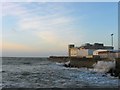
column 117, row 68
column 87, row 63
column 76, row 61
column 82, row 62
column 59, row 59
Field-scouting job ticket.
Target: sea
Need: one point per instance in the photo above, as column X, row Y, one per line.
column 43, row 73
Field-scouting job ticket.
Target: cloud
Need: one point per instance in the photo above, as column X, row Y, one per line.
column 37, row 16
column 44, row 23
column 13, row 9
column 50, row 25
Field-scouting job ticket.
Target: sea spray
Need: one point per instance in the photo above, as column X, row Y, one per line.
column 67, row 64
column 60, row 64
column 104, row 66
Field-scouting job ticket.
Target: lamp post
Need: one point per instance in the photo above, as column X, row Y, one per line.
column 112, row 40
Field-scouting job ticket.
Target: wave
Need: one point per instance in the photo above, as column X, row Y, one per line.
column 61, row 64
column 104, row 66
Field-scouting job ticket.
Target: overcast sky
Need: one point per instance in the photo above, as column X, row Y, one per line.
column 46, row 28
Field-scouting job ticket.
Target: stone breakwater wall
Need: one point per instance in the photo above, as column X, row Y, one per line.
column 74, row 61
column 82, row 62
column 117, row 68
column 86, row 62
column 59, row 59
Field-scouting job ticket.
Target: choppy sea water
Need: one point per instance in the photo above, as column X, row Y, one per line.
column 42, row 73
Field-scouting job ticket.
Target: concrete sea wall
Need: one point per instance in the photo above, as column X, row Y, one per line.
column 87, row 63
column 74, row 61
column 117, row 68
column 59, row 59
column 82, row 62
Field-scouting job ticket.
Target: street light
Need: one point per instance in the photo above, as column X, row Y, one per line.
column 112, row 40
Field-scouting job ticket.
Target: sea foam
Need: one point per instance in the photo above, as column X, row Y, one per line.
column 104, row 66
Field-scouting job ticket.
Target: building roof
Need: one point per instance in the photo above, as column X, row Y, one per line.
column 92, row 46
column 95, row 46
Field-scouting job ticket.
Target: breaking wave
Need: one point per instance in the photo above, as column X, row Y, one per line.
column 104, row 66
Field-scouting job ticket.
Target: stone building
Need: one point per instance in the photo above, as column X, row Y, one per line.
column 107, row 53
column 86, row 49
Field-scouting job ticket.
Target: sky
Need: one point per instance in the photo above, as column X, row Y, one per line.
column 46, row 28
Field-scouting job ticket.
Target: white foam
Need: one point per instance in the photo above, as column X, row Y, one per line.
column 60, row 63
column 67, row 63
column 104, row 66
